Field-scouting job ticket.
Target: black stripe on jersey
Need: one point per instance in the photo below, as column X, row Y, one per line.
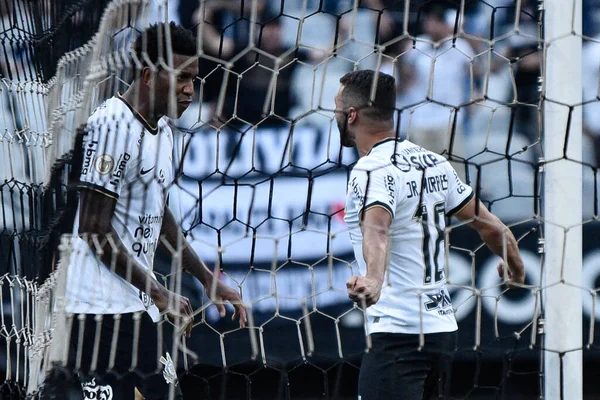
column 138, row 116
column 461, row 205
column 98, row 188
column 377, row 204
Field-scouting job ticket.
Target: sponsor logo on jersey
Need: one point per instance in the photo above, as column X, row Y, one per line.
column 460, row 187
column 418, row 162
column 438, row 301
column 146, row 300
column 161, row 176
column 357, row 191
column 91, row 390
column 144, row 246
column 145, row 234
column 145, row 171
column 88, row 156
column 390, row 185
column 104, row 164
column 150, row 219
column 120, row 170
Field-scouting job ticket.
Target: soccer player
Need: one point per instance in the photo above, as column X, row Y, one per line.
column 399, row 196
column 122, row 218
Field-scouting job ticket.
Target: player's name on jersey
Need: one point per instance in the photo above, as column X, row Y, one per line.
column 431, row 184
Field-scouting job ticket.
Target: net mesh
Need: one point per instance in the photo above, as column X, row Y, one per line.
column 260, row 180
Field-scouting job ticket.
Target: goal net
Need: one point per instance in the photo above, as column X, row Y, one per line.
column 258, row 186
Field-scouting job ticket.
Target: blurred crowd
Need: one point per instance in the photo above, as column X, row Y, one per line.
column 446, row 87
column 467, row 82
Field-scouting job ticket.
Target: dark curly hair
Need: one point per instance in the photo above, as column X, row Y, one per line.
column 357, row 93
column 152, row 42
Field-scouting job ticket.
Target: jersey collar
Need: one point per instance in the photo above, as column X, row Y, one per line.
column 152, row 129
column 391, row 139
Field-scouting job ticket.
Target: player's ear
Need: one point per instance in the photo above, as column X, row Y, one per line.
column 146, row 75
column 352, row 115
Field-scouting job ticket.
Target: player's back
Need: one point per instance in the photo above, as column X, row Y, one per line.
column 419, row 188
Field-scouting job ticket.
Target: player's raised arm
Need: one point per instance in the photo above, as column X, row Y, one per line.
column 496, row 235
column 191, row 262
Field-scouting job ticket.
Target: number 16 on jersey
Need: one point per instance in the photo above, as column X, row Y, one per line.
column 432, row 238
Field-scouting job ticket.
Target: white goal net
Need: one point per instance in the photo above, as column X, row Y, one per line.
column 257, row 182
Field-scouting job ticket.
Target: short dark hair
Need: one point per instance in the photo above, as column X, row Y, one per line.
column 153, row 42
column 357, row 93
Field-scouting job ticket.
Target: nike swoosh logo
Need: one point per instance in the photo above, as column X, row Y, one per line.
column 142, row 172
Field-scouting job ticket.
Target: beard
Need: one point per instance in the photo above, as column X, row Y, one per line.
column 346, row 138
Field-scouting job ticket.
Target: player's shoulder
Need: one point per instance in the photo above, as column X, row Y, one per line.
column 112, row 109
column 415, row 148
column 165, row 125
column 372, row 162
column 381, row 154
column 114, row 115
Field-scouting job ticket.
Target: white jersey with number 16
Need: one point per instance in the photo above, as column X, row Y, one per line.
column 419, row 189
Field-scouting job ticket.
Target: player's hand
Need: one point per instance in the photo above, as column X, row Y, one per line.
column 363, row 288
column 226, row 293
column 177, row 307
column 512, row 276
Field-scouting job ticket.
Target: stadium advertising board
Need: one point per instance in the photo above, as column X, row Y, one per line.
column 282, row 237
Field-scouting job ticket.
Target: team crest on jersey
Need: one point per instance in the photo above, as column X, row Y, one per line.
column 91, row 390
column 104, row 164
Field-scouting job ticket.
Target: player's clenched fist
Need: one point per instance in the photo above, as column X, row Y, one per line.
column 363, row 288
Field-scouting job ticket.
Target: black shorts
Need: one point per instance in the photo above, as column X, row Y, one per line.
column 136, row 361
column 395, row 368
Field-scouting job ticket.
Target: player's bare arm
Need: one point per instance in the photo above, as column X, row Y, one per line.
column 496, row 235
column 96, row 212
column 375, row 225
column 172, row 233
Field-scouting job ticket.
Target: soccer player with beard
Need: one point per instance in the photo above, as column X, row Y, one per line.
column 121, row 219
column 399, row 196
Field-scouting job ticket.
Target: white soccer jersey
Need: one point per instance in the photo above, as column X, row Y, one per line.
column 419, row 188
column 126, row 159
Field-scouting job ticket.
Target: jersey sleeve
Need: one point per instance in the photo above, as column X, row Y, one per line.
column 374, row 186
column 459, row 193
column 107, row 152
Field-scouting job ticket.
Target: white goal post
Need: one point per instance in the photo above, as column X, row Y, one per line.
column 562, row 290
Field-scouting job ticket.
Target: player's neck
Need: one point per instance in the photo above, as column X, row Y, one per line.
column 365, row 142
column 141, row 105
